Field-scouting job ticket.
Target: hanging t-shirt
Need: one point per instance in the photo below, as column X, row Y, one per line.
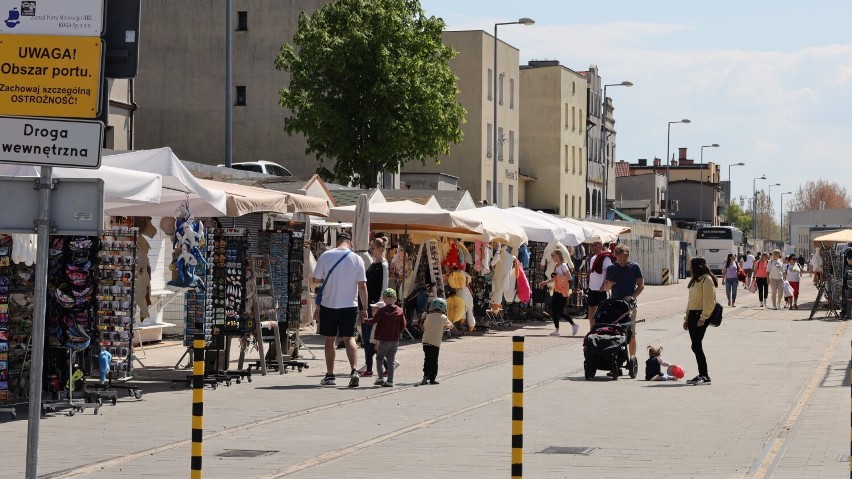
column 341, row 289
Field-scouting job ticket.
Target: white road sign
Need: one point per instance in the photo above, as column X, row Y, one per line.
column 81, row 18
column 41, row 142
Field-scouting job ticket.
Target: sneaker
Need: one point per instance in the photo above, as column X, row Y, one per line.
column 387, row 384
column 574, row 329
column 328, row 380
column 555, row 332
column 354, row 379
column 367, row 374
column 433, row 382
column 698, row 380
column 379, row 382
column 423, row 382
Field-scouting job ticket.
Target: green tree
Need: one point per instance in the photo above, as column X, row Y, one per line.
column 736, row 216
column 370, row 88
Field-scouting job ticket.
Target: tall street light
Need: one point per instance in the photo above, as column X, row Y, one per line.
column 754, row 206
column 782, row 216
column 602, row 153
column 520, row 21
column 701, row 172
column 769, row 197
column 668, row 166
column 729, row 169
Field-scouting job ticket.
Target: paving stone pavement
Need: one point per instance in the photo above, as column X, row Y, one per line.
column 778, row 407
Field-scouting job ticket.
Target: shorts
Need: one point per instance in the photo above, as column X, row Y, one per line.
column 595, row 298
column 338, row 322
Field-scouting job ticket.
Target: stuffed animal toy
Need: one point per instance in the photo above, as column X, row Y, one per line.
column 503, row 279
column 453, row 260
column 104, row 359
column 523, row 285
column 455, row 309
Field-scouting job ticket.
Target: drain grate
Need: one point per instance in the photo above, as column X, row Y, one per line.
column 244, row 453
column 583, row 451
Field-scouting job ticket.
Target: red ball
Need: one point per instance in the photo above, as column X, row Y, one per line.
column 677, row 372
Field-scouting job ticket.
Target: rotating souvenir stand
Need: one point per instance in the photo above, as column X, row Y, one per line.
column 71, row 314
column 264, row 318
column 116, row 310
column 831, row 285
column 5, row 330
column 284, row 249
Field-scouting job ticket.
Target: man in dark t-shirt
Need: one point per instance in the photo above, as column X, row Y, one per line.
column 625, row 280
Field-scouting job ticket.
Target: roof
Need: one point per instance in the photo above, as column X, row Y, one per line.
column 632, row 204
column 447, row 199
column 622, row 168
column 350, row 197
column 624, row 217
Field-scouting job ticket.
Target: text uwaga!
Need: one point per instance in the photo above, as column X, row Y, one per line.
column 45, row 149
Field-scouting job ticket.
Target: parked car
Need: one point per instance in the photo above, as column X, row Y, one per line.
column 266, row 167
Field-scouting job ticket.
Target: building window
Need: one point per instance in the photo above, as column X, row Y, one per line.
column 573, row 118
column 242, row 21
column 511, row 195
column 580, row 156
column 511, row 93
column 573, row 88
column 241, row 96
column 511, row 146
column 499, row 195
column 500, row 87
column 567, row 155
column 567, row 121
column 573, row 205
column 565, row 210
column 574, row 159
column 490, row 83
column 488, row 192
column 582, row 122
column 500, row 141
column 489, row 140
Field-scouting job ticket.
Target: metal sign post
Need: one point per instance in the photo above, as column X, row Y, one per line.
column 37, row 362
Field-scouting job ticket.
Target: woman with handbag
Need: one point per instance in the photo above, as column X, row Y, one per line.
column 731, row 271
column 702, row 301
column 761, row 276
column 561, row 291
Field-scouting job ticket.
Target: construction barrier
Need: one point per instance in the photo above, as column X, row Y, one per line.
column 517, row 406
column 198, row 345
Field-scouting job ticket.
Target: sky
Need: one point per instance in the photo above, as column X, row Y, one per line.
column 769, row 81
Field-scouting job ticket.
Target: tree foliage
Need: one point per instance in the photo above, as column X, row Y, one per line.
column 809, row 196
column 370, row 88
column 736, row 216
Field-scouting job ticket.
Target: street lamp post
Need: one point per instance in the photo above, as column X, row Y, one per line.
column 769, row 197
column 782, row 215
column 729, row 170
column 668, row 165
column 602, row 153
column 701, row 172
column 521, row 21
column 754, row 206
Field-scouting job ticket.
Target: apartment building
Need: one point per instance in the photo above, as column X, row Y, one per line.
column 472, row 160
column 180, row 88
column 553, row 137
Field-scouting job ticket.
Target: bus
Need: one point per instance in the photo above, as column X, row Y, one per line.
column 715, row 242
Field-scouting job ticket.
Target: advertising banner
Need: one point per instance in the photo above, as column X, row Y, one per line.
column 82, row 18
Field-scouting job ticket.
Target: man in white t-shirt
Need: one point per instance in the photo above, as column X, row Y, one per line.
column 597, row 274
column 748, row 268
column 343, row 277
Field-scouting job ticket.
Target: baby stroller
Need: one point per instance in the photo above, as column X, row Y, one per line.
column 605, row 346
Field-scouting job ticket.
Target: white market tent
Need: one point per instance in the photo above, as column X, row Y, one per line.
column 242, row 200
column 496, row 226
column 545, row 228
column 605, row 233
column 121, row 186
column 178, row 185
column 410, row 216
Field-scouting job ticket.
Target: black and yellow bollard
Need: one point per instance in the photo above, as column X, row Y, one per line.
column 517, row 407
column 198, row 345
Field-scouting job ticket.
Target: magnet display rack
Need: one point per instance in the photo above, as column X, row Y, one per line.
column 116, row 309
column 5, row 330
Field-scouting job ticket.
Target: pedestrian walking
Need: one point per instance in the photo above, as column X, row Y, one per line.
column 343, row 279
column 624, row 280
column 601, row 259
column 793, row 274
column 776, row 278
column 761, row 272
column 699, row 307
column 377, row 281
column 561, row 279
column 388, row 323
column 731, row 272
column 433, row 333
column 748, row 267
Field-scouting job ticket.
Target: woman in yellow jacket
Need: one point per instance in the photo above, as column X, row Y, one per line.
column 702, row 300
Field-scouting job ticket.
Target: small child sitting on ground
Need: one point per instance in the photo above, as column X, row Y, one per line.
column 654, row 366
column 433, row 333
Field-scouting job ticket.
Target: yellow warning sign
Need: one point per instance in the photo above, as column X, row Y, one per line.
column 55, row 76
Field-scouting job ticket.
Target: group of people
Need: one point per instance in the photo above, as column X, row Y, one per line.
column 772, row 276
column 352, row 294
